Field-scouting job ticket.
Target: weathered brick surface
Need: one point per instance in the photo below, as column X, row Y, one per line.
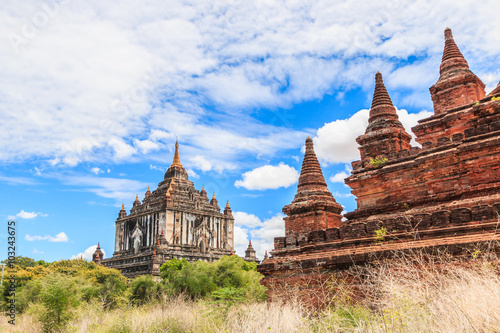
column 443, row 195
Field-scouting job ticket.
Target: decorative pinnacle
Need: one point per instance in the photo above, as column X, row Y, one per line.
column 98, row 245
column 137, row 197
column 177, row 160
column 380, row 95
column 213, row 196
column 123, row 206
column 227, row 204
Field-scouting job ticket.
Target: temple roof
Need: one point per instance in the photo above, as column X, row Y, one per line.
column 176, row 170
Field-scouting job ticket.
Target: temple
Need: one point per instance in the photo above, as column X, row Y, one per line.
column 173, row 221
column 442, row 195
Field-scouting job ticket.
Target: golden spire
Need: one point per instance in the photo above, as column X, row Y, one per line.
column 203, row 188
column 148, row 188
column 177, row 160
column 227, row 204
column 137, row 197
column 213, row 196
column 123, row 206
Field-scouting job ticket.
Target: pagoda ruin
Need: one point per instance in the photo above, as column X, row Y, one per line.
column 442, row 195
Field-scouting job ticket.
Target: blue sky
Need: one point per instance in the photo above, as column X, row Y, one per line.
column 94, row 94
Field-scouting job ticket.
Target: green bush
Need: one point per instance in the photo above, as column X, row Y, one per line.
column 144, row 289
column 201, row 279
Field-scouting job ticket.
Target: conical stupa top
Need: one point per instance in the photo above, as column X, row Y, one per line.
column 380, row 96
column 137, row 197
column 213, row 196
column 381, row 104
column 311, row 175
column 495, row 91
column 177, row 160
column 98, row 245
column 123, row 206
column 227, row 204
column 452, row 57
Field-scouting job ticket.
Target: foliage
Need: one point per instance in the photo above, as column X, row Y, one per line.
column 378, row 161
column 380, row 234
column 495, row 98
column 144, row 289
column 200, row 279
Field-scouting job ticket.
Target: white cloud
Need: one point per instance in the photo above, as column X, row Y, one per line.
column 146, row 146
column 96, row 171
column 246, row 220
column 60, row 237
column 26, row 215
column 100, row 95
column 18, row 180
column 35, row 251
column 339, row 177
column 87, row 254
column 335, row 142
column 269, row 177
column 119, row 189
column 261, row 233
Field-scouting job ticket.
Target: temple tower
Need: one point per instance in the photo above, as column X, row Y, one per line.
column 313, row 207
column 250, row 253
column 384, row 133
column 457, row 86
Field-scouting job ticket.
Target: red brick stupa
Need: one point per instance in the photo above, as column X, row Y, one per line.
column 385, row 133
column 313, row 207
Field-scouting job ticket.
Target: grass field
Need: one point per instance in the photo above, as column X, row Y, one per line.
column 406, row 295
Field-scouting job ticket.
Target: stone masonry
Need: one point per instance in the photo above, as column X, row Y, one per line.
column 173, row 221
column 443, row 195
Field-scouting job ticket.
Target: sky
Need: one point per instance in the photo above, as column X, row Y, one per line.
column 93, row 95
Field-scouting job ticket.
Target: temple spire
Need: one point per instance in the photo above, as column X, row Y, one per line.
column 381, row 104
column 457, row 86
column 311, row 175
column 176, row 170
column 313, row 202
column 177, row 160
column 452, row 59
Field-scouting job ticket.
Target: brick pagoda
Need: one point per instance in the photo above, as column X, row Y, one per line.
column 445, row 194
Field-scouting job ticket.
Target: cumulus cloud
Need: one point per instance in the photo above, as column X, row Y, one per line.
column 60, row 237
column 87, row 254
column 26, row 215
column 96, row 171
column 134, row 78
column 335, row 142
column 269, row 177
column 339, row 177
column 260, row 232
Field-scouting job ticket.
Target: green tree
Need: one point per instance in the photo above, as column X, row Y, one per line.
column 145, row 289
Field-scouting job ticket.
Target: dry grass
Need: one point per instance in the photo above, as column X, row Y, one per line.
column 410, row 294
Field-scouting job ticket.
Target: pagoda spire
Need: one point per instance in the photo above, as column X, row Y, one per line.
column 381, row 104
column 384, row 133
column 311, row 175
column 313, row 206
column 177, row 160
column 452, row 59
column 176, row 170
column 457, row 86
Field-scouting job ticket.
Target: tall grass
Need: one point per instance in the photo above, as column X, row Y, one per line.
column 417, row 293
